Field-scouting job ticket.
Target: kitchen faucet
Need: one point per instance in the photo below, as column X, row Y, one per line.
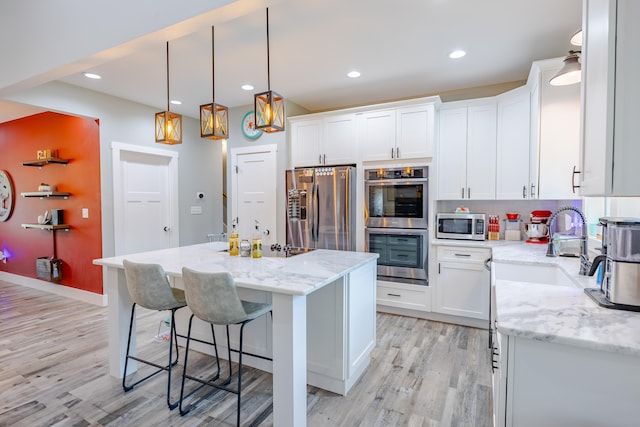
column 585, row 264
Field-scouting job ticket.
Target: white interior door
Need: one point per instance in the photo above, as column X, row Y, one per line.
column 254, row 182
column 145, row 182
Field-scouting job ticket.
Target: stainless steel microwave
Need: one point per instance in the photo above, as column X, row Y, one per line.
column 465, row 226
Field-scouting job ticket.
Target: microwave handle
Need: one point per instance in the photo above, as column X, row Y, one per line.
column 462, row 193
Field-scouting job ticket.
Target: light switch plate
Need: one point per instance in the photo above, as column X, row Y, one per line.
column 85, row 212
column 196, row 210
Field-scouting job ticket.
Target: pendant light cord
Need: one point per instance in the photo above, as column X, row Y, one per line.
column 168, row 77
column 213, row 68
column 268, row 65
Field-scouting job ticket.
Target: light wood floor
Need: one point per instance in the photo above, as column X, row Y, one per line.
column 53, row 372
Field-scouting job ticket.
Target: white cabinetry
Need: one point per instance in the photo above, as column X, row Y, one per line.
column 512, row 173
column 540, row 383
column 397, row 133
column 555, row 133
column 462, row 286
column 610, row 97
column 466, row 156
column 326, row 140
column 403, row 295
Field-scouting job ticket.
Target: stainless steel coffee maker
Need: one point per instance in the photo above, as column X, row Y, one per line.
column 620, row 285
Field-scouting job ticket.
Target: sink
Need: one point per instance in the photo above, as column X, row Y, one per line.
column 549, row 274
column 292, row 252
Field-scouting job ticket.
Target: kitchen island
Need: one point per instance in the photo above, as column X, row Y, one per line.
column 328, row 296
column 559, row 358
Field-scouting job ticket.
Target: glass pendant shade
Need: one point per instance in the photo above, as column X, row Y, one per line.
column 168, row 128
column 268, row 107
column 269, row 111
column 214, row 121
column 168, row 124
column 570, row 72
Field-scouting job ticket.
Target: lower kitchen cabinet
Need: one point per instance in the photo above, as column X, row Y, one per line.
column 403, row 295
column 542, row 383
column 462, row 285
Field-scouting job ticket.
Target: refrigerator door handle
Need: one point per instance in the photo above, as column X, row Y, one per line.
column 312, row 209
column 316, row 214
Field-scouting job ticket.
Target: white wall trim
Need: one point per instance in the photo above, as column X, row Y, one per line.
column 173, row 196
column 52, row 288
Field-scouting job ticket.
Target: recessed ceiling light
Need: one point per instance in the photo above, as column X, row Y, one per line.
column 176, row 102
column 457, row 54
column 247, row 87
column 353, row 74
column 92, row 76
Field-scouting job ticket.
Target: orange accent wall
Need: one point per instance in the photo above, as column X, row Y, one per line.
column 76, row 139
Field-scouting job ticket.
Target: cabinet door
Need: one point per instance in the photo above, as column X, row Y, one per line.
column 559, row 138
column 339, row 139
column 377, row 135
column 451, row 158
column 414, row 133
column 513, row 144
column 462, row 289
column 481, row 152
column 306, row 138
column 598, row 68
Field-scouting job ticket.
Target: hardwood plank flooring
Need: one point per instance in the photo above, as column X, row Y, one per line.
column 54, row 372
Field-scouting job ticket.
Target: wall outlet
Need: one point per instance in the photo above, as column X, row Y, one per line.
column 85, row 212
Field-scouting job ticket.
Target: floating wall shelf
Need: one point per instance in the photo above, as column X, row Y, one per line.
column 65, row 227
column 41, row 162
column 43, row 194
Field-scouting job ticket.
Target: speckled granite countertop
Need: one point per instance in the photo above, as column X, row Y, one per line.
column 559, row 313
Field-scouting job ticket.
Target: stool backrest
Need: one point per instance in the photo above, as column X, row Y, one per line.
column 213, row 297
column 148, row 285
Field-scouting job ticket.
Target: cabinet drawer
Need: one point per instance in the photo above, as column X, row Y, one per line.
column 406, row 296
column 461, row 254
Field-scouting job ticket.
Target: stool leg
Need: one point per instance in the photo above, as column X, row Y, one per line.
column 229, row 356
column 240, row 374
column 173, row 338
column 126, row 359
column 184, row 368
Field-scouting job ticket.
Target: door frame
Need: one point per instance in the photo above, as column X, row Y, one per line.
column 118, row 197
column 272, row 149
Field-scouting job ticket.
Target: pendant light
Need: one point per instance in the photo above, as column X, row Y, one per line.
column 214, row 118
column 570, row 72
column 168, row 124
column 268, row 106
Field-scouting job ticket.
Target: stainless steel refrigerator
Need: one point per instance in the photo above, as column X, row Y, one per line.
column 321, row 207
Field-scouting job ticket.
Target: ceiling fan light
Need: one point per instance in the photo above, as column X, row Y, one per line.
column 576, row 38
column 570, row 72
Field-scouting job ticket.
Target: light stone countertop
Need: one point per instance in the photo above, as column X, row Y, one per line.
column 556, row 313
column 297, row 275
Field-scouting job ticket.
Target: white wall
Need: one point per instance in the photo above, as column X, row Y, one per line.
column 200, row 160
column 83, row 33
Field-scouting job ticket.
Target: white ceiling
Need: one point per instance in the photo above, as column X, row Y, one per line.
column 400, row 46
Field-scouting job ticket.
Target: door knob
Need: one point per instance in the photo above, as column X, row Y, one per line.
column 167, row 228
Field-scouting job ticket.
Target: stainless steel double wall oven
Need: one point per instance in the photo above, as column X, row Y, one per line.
column 397, row 205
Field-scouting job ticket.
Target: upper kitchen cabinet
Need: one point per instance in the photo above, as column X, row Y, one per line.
column 610, row 98
column 555, row 133
column 466, row 153
column 323, row 140
column 512, row 171
column 397, row 133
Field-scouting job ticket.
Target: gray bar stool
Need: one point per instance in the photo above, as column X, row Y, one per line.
column 213, row 298
column 149, row 288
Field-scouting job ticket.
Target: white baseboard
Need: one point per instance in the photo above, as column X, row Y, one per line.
column 52, row 288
